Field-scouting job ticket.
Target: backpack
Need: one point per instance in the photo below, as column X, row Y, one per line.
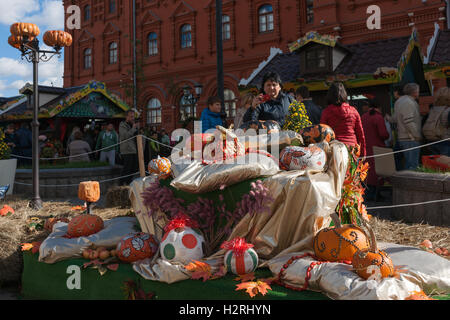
column 433, row 128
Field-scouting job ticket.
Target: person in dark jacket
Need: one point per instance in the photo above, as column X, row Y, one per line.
column 211, row 116
column 277, row 106
column 343, row 118
column 313, row 111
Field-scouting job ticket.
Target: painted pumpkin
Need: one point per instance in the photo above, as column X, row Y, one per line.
column 317, row 134
column 89, row 191
column 84, row 225
column 303, row 158
column 339, row 242
column 182, row 241
column 24, row 29
column 372, row 261
column 240, row 258
column 50, row 222
column 6, row 211
column 137, row 246
column 57, row 38
column 160, row 166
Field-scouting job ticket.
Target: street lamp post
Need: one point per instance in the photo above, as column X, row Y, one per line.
column 24, row 38
column 190, row 98
column 219, row 51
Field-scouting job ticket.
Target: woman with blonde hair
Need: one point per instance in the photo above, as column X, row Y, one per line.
column 437, row 125
column 243, row 114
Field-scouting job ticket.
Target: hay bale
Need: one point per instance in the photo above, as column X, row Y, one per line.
column 118, row 196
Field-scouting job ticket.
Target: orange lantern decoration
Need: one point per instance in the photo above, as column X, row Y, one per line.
column 57, row 38
column 84, row 225
column 136, row 247
column 25, row 29
column 368, row 262
column 89, row 191
column 339, row 242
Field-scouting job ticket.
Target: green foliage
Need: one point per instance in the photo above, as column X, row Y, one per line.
column 5, row 150
column 297, row 119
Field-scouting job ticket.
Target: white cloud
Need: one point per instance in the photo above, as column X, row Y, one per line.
column 51, row 17
column 16, row 10
column 13, row 67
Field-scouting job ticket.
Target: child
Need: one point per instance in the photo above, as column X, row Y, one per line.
column 211, row 116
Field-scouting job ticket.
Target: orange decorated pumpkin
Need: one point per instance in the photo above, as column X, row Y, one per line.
column 160, row 166
column 57, row 38
column 339, row 242
column 16, row 41
column 84, row 225
column 25, row 29
column 89, row 191
column 6, row 210
column 137, row 246
column 372, row 261
column 317, row 134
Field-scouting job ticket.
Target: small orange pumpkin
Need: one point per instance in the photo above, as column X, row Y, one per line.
column 89, row 191
column 25, row 29
column 339, row 242
column 57, row 38
column 84, row 225
column 363, row 260
column 6, row 210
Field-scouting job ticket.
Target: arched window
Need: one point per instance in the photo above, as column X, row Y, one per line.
column 87, row 58
column 153, row 111
column 186, row 36
column 188, row 106
column 229, row 103
column 265, row 15
column 87, row 13
column 113, row 52
column 226, row 28
column 152, row 44
column 112, row 6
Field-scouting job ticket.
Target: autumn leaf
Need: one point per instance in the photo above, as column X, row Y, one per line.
column 245, row 277
column 254, row 287
column 418, row 295
column 199, row 270
column 26, row 246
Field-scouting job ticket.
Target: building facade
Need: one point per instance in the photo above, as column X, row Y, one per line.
column 176, row 49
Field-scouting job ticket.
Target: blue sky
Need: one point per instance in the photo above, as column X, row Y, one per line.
column 14, row 72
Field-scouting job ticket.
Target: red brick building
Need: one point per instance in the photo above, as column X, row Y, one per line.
column 176, row 43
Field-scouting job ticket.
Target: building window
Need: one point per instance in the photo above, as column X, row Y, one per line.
column 112, row 6
column 87, row 13
column 188, row 107
column 309, row 11
column 153, row 111
column 186, row 36
column 87, row 58
column 152, row 44
column 229, row 103
column 265, row 14
column 226, row 28
column 316, row 58
column 113, row 53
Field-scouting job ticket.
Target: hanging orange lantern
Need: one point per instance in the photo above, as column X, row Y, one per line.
column 89, row 191
column 24, row 29
column 57, row 38
column 339, row 242
column 368, row 262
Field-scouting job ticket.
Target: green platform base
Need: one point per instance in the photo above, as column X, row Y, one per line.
column 49, row 281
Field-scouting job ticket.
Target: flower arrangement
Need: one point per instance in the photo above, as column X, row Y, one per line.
column 351, row 208
column 5, row 150
column 297, row 119
column 48, row 150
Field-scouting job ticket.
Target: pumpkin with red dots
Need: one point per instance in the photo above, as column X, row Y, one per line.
column 317, row 133
column 303, row 158
column 182, row 241
column 339, row 242
column 373, row 262
column 89, row 191
column 84, row 225
column 137, row 246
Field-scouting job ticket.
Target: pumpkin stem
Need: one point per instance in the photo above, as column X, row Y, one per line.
column 373, row 240
column 336, row 220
